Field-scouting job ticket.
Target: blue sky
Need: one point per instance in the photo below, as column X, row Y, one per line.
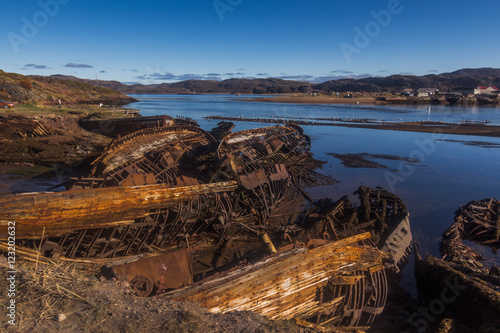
column 164, row 41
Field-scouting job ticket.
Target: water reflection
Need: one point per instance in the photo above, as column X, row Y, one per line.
column 198, row 106
column 450, row 175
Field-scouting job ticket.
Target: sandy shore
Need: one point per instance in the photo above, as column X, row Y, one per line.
column 317, row 100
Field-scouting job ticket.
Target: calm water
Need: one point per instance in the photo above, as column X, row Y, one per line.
column 449, row 174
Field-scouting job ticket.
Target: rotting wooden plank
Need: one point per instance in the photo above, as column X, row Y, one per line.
column 63, row 212
column 317, row 309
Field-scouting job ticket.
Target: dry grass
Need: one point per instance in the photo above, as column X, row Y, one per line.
column 48, row 289
column 43, row 291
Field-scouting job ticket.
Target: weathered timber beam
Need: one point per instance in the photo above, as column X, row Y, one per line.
column 62, row 212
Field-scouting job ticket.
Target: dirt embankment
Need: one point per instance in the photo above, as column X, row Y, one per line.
column 47, row 135
column 460, row 129
column 47, row 139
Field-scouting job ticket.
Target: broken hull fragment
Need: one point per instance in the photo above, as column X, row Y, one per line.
column 322, row 283
column 59, row 213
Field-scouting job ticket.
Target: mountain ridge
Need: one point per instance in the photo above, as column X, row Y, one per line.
column 463, row 79
column 48, row 89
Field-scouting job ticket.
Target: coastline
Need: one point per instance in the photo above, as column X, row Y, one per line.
column 431, row 127
column 363, row 100
column 301, row 99
column 49, row 135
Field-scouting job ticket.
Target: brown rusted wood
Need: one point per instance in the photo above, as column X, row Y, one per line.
column 68, row 211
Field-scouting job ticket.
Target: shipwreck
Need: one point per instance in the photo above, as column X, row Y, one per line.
column 223, row 219
column 475, row 280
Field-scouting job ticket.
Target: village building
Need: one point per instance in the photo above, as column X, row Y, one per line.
column 408, row 92
column 426, row 92
column 486, row 90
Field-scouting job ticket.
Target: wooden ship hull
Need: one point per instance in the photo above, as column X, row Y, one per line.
column 205, row 202
column 59, row 213
column 316, row 283
column 124, row 126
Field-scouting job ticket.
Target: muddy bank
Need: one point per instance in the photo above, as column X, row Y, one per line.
column 482, row 144
column 364, row 160
column 460, row 129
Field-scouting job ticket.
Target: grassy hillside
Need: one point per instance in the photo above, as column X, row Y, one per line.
column 47, row 91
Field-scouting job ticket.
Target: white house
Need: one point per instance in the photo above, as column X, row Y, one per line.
column 485, row 90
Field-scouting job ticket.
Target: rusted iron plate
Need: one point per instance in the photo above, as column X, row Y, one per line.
column 167, row 271
column 142, row 285
column 139, row 179
column 253, row 180
column 280, row 174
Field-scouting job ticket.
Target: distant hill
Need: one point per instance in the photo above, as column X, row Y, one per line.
column 48, row 90
column 242, row 86
column 461, row 79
